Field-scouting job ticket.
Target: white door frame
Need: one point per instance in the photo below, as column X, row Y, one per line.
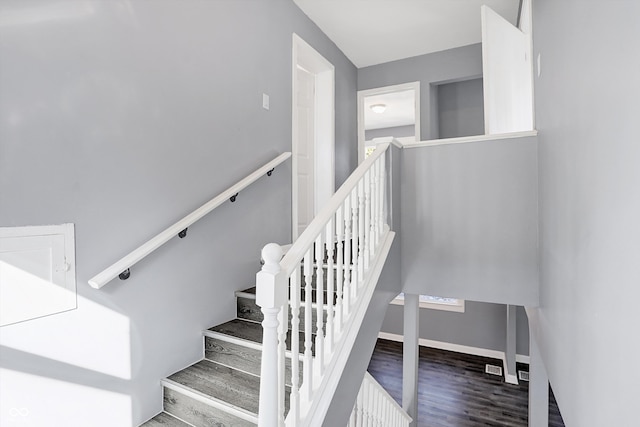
column 362, row 94
column 324, row 181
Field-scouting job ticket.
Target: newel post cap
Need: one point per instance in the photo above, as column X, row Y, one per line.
column 271, row 254
column 271, row 292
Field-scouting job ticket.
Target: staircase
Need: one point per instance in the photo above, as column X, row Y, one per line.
column 223, row 388
column 298, row 353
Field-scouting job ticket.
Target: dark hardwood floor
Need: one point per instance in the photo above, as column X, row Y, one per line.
column 453, row 390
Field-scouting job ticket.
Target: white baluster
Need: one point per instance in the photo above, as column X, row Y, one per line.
column 340, row 233
column 376, row 206
column 270, row 296
column 283, row 327
column 307, row 379
column 381, row 406
column 330, row 287
column 295, row 346
column 359, row 403
column 374, row 210
column 319, row 363
column 367, row 404
column 352, row 417
column 355, row 244
column 348, row 258
column 383, row 191
column 367, row 220
column 361, row 238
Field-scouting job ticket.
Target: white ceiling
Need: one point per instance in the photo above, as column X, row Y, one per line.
column 400, row 110
column 372, row 32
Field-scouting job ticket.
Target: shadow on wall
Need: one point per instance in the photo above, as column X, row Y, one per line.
column 40, row 377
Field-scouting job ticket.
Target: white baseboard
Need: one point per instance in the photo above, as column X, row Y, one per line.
column 476, row 351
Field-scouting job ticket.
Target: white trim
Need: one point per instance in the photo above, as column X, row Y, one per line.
column 208, row 400
column 466, row 139
column 177, row 418
column 441, row 345
column 476, row 351
column 111, row 272
column 231, row 339
column 362, row 94
column 443, row 306
column 306, row 57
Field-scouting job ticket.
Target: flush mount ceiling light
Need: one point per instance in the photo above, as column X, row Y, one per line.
column 378, row 108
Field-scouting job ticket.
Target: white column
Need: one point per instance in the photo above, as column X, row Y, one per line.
column 538, row 386
column 511, row 374
column 410, row 350
column 270, row 296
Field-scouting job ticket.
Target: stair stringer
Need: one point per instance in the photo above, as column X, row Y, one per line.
column 372, row 306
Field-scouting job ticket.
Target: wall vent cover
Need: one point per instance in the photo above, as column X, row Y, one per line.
column 493, row 370
column 523, row 375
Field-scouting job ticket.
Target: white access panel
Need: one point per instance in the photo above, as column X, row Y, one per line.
column 507, row 75
column 37, row 272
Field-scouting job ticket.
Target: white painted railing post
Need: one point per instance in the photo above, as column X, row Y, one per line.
column 271, row 295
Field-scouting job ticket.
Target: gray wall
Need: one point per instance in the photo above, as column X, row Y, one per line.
column 482, row 325
column 396, row 131
column 435, row 68
column 587, row 114
column 121, row 117
column 460, row 109
column 469, row 221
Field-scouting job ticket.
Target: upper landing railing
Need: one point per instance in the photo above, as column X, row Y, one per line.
column 121, row 268
column 347, row 244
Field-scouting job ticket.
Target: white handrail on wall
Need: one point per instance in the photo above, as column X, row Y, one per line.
column 375, row 407
column 111, row 272
column 352, row 238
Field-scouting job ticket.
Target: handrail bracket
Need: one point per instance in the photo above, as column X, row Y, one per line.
column 125, row 274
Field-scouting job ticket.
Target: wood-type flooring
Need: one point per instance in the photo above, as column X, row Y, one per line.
column 453, row 389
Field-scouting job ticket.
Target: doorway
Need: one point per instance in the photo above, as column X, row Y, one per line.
column 388, row 111
column 313, row 134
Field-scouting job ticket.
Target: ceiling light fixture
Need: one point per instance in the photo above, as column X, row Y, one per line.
column 378, row 108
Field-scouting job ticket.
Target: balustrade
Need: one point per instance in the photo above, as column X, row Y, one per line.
column 325, row 271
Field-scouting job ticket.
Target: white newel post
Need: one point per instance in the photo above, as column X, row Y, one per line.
column 271, row 295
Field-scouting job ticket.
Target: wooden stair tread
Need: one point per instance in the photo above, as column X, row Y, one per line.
column 241, row 357
column 252, row 331
column 165, row 420
column 250, row 294
column 221, row 382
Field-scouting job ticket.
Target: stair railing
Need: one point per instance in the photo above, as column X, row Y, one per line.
column 375, row 407
column 350, row 238
column 121, row 268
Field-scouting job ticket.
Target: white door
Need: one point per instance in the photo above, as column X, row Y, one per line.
column 305, row 137
column 507, row 76
column 313, row 134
